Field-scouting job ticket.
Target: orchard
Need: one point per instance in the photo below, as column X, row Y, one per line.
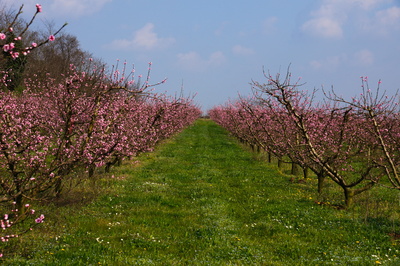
column 55, row 127
column 65, row 120
column 354, row 142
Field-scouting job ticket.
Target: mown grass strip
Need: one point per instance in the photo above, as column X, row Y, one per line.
column 201, row 199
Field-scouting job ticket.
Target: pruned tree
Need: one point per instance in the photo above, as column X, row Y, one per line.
column 381, row 115
column 337, row 150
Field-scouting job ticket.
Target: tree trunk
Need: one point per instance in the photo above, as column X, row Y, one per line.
column 108, row 167
column 91, row 170
column 295, row 169
column 58, row 187
column 19, row 203
column 280, row 163
column 305, row 172
column 321, row 181
column 349, row 196
column 18, row 189
column 59, row 182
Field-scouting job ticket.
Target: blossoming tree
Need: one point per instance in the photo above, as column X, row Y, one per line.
column 354, row 143
column 15, row 50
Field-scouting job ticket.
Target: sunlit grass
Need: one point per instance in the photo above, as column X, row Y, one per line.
column 202, row 199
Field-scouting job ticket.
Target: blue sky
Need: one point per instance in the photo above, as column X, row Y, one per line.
column 215, row 48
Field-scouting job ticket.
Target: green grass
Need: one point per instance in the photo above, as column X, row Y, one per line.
column 203, row 199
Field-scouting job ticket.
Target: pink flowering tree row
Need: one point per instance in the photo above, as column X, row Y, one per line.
column 354, row 143
column 83, row 122
column 14, row 51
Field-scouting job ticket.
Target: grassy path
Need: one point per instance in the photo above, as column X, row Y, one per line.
column 202, row 200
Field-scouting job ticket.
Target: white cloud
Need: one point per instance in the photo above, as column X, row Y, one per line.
column 193, row 61
column 269, row 25
column 389, row 17
column 364, row 57
column 56, row 8
column 324, row 26
column 329, row 63
column 241, row 50
column 221, row 28
column 332, row 15
column 216, row 59
column 144, row 38
column 384, row 22
column 327, row 21
column 190, row 60
column 77, row 7
column 368, row 4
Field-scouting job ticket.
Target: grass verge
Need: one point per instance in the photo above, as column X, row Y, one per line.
column 201, row 199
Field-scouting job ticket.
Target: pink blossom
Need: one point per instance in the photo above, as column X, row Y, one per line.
column 34, row 44
column 39, row 219
column 52, row 38
column 14, row 55
column 6, row 47
column 38, row 8
column 2, row 36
